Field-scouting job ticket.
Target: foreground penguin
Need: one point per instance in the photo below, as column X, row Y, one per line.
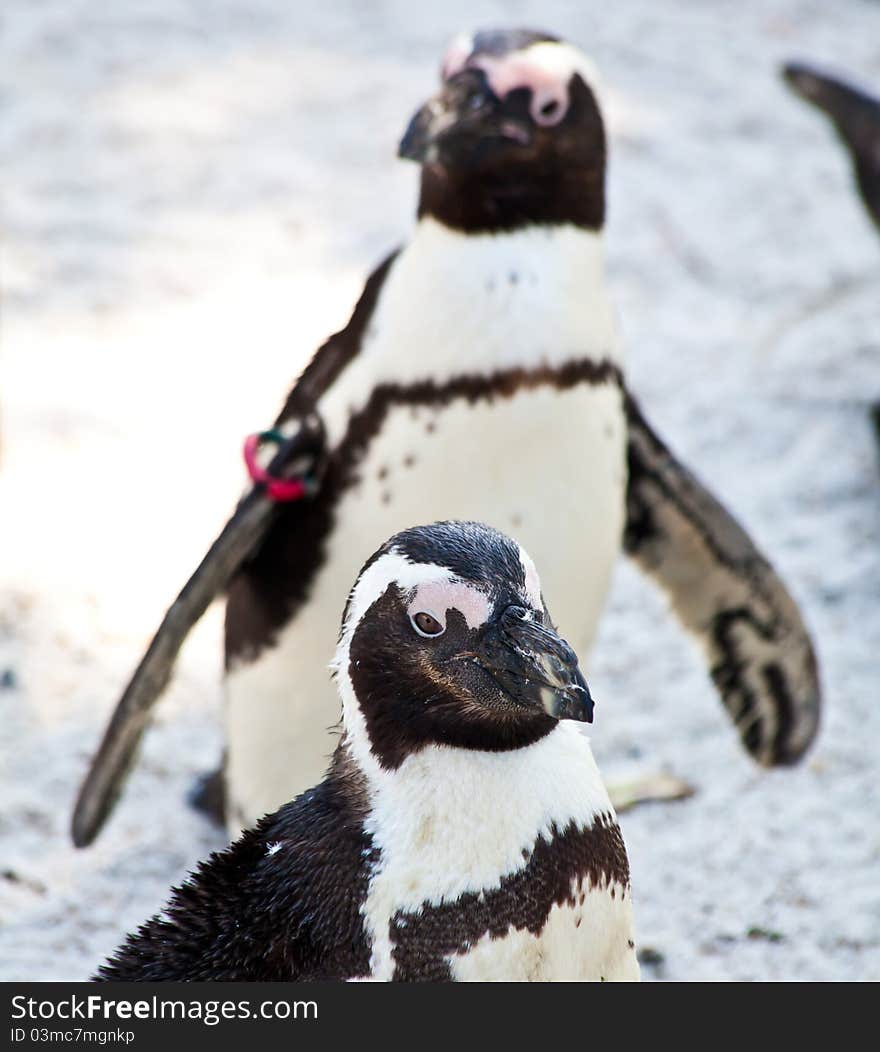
column 856, row 118
column 481, row 376
column 462, row 831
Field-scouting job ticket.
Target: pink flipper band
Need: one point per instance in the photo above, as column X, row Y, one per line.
column 278, row 489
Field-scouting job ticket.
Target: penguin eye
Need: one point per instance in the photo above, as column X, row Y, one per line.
column 426, row 625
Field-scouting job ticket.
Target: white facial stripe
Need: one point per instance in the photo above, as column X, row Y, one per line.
column 438, row 597
column 533, row 581
column 391, row 568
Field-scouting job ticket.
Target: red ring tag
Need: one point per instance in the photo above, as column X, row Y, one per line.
column 277, row 489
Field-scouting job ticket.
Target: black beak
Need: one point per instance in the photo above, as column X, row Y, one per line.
column 421, row 139
column 535, row 667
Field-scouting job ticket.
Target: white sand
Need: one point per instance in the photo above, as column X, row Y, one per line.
column 192, row 194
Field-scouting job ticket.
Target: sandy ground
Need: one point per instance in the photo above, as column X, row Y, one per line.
column 192, row 193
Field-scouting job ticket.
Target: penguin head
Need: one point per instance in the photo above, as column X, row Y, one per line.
column 446, row 641
column 517, row 115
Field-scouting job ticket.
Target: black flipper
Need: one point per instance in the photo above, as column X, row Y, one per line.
column 726, row 593
column 239, row 538
column 239, row 541
column 856, row 116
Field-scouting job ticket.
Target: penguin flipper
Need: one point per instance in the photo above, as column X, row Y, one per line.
column 856, row 116
column 725, row 592
column 238, row 539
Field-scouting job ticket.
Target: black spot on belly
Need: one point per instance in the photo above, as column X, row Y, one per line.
column 409, row 460
column 424, row 941
column 382, row 473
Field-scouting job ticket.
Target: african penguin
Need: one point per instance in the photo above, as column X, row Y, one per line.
column 856, row 118
column 481, row 376
column 462, row 831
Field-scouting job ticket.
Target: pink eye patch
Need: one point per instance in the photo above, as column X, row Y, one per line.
column 548, row 82
column 437, row 597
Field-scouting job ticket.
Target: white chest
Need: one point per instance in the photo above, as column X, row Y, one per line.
column 458, row 305
column 450, row 824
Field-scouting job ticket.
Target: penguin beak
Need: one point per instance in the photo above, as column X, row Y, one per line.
column 460, row 123
column 535, row 667
column 422, row 137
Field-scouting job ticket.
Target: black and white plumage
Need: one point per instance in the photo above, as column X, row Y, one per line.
column 481, row 376
column 856, row 118
column 462, row 831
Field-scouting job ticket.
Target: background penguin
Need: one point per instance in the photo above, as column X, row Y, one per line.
column 462, row 831
column 481, row 376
